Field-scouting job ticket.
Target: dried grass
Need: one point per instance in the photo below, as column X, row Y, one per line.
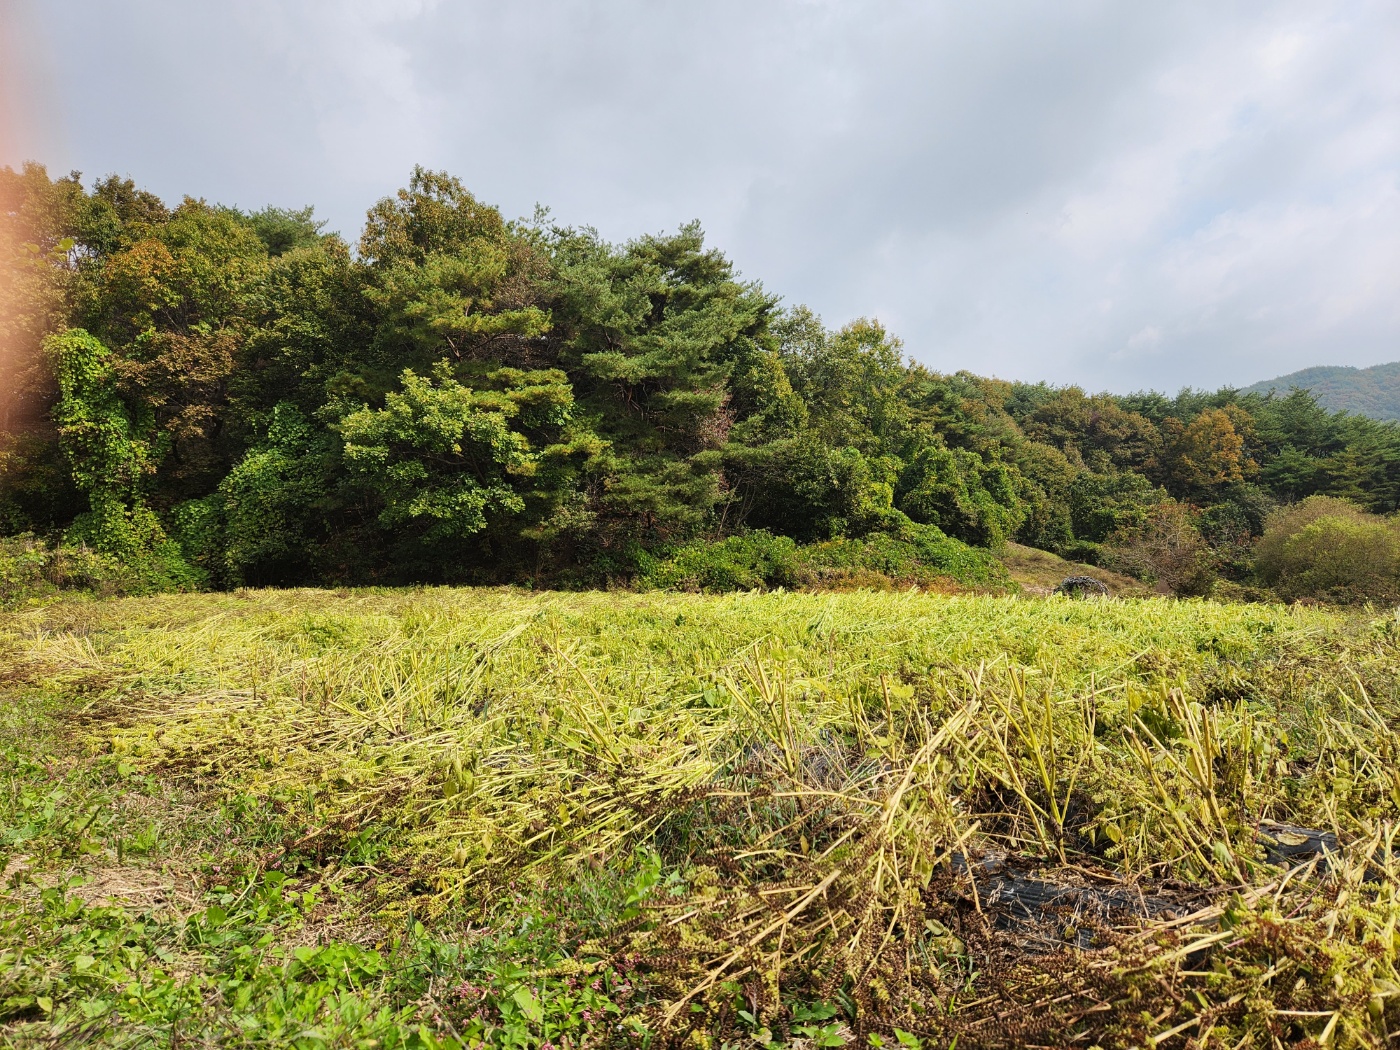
column 825, row 771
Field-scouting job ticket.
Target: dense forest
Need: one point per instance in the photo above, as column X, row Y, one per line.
column 212, row 397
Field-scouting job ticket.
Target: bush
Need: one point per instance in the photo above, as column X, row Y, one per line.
column 914, row 554
column 1101, row 504
column 1167, row 548
column 1086, row 552
column 1330, row 549
column 753, row 561
column 31, row 568
column 965, row 496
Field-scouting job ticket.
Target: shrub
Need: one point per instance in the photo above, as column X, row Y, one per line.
column 1167, row 548
column 967, row 497
column 1101, row 504
column 913, row 554
column 737, row 563
column 1330, row 549
column 1086, row 552
column 31, row 568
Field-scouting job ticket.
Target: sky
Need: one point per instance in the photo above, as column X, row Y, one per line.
column 1121, row 195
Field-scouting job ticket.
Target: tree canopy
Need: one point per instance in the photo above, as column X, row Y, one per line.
column 242, row 397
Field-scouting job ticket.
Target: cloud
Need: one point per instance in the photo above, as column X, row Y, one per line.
column 27, row 111
column 1027, row 190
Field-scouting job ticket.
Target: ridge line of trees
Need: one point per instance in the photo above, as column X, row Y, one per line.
column 235, row 398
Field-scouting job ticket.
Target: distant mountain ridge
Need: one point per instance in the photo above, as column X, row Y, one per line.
column 1373, row 392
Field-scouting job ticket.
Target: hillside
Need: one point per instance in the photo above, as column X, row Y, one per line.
column 1373, row 392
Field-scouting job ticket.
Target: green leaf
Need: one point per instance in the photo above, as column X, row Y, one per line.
column 529, row 1005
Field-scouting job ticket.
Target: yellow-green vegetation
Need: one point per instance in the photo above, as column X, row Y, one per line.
column 1326, row 548
column 452, row 817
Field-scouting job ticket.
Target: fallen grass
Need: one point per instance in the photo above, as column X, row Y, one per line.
column 768, row 817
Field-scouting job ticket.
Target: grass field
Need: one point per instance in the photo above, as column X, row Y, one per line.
column 427, row 818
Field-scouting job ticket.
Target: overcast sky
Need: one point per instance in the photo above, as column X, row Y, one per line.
column 1116, row 194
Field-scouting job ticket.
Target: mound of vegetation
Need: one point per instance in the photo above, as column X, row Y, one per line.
column 460, row 818
column 33, row 569
column 1331, row 549
column 241, row 398
column 916, row 555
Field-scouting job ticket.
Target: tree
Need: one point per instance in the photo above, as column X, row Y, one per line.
column 1101, row 504
column 283, row 229
column 112, row 454
column 175, row 302
column 1165, row 548
column 446, row 462
column 851, row 381
column 654, row 334
column 259, row 526
column 1206, row 453
column 1081, row 425
column 968, row 498
column 467, row 397
column 450, row 279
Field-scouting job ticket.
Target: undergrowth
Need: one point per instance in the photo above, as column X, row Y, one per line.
column 494, row 817
column 34, row 570
column 914, row 555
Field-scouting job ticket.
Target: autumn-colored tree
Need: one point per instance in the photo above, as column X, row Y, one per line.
column 175, row 302
column 1207, row 453
column 36, row 274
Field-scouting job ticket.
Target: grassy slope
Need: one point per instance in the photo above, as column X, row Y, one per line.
column 441, row 817
column 1039, row 572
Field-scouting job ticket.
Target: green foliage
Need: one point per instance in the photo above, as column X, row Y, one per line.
column 971, row 499
column 1100, row 504
column 31, row 568
column 111, row 456
column 850, row 380
column 752, row 561
column 448, row 461
column 655, row 333
column 259, row 522
column 472, row 399
column 110, row 453
column 282, row 229
column 1331, row 549
column 914, row 554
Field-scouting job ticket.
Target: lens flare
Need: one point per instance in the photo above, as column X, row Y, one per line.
column 21, row 323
